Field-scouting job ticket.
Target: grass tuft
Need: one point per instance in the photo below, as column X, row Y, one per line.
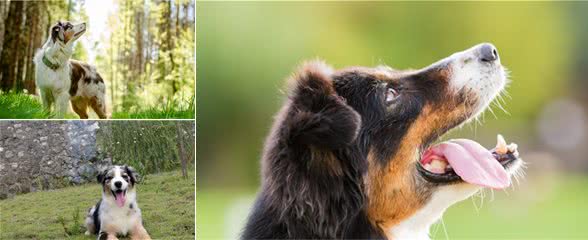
column 21, row 106
column 75, row 227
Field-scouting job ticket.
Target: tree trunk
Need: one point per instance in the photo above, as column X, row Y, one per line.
column 10, row 51
column 36, row 40
column 4, row 5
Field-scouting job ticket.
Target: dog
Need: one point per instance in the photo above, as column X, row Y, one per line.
column 117, row 213
column 61, row 79
column 352, row 153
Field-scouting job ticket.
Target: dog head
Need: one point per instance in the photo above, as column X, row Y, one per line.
column 66, row 32
column 402, row 113
column 117, row 183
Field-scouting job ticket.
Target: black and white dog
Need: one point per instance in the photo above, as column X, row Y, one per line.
column 117, row 213
column 61, row 79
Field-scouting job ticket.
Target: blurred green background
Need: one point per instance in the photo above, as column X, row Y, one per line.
column 245, row 50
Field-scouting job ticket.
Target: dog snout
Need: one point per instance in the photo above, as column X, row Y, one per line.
column 488, row 53
column 118, row 184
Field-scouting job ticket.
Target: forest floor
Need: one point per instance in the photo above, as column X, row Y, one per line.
column 166, row 201
column 24, row 106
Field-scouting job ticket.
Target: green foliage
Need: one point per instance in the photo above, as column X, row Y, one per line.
column 150, row 56
column 166, row 201
column 21, row 106
column 149, row 146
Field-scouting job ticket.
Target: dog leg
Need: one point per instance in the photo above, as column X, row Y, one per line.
column 80, row 106
column 90, row 226
column 61, row 104
column 99, row 107
column 46, row 98
column 107, row 236
column 139, row 233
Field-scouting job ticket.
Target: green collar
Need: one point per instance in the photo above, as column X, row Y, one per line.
column 49, row 63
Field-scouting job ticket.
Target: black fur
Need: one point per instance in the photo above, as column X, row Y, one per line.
column 96, row 217
column 316, row 154
column 101, row 177
column 133, row 176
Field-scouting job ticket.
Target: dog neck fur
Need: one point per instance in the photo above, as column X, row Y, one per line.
column 417, row 226
column 58, row 52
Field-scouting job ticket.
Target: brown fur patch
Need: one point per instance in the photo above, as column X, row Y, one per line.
column 139, row 232
column 68, row 35
column 394, row 190
column 77, row 74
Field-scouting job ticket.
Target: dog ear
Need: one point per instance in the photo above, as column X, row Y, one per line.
column 101, row 176
column 318, row 115
column 133, row 175
column 56, row 32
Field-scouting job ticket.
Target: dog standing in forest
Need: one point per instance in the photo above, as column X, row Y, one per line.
column 60, row 78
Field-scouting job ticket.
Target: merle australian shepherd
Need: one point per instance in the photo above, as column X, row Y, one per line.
column 61, row 79
column 117, row 213
column 352, row 153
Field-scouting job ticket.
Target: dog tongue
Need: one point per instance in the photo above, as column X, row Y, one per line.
column 120, row 198
column 474, row 163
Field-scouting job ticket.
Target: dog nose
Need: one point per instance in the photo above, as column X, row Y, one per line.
column 118, row 184
column 488, row 53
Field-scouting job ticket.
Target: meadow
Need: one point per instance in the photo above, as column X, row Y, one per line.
column 23, row 106
column 166, row 201
column 547, row 207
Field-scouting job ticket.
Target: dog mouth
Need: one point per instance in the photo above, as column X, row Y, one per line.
column 79, row 33
column 465, row 160
column 120, row 197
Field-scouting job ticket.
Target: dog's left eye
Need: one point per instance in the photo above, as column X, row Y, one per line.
column 391, row 94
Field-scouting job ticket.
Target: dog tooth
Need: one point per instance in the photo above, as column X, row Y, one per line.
column 438, row 164
column 501, row 147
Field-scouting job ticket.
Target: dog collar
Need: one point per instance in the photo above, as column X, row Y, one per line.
column 49, row 63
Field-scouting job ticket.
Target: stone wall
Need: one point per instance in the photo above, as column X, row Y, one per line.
column 39, row 155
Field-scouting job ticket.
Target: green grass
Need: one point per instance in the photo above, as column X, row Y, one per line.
column 21, row 106
column 24, row 106
column 171, row 109
column 540, row 208
column 166, row 201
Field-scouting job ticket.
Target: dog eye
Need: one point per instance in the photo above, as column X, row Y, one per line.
column 391, row 94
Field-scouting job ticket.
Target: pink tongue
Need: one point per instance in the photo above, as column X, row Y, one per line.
column 473, row 163
column 120, row 199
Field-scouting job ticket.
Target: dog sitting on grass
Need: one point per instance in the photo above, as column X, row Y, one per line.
column 117, row 213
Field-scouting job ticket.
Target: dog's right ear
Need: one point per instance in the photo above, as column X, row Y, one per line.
column 317, row 115
column 101, row 176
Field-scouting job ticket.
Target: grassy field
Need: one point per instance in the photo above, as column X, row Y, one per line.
column 23, row 106
column 540, row 208
column 166, row 201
